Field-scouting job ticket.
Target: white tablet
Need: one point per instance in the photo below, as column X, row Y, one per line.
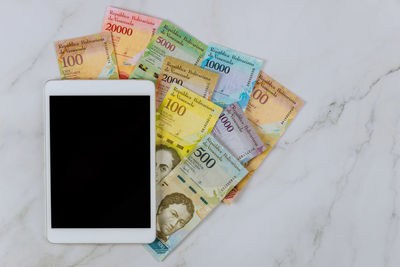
column 100, row 180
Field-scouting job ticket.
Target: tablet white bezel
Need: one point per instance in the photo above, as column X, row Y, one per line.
column 100, row 235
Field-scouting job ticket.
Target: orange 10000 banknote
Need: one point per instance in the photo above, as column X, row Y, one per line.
column 131, row 33
column 270, row 110
column 87, row 57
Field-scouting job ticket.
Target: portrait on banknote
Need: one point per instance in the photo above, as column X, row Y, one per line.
column 166, row 160
column 174, row 212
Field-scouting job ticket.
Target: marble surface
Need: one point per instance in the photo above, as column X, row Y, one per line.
column 328, row 194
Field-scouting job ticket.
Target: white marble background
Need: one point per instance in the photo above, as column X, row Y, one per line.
column 328, row 194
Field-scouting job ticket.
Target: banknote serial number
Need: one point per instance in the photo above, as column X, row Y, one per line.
column 260, row 96
column 119, row 29
column 170, row 79
column 70, row 61
column 218, row 66
column 175, row 107
column 204, row 157
column 171, row 47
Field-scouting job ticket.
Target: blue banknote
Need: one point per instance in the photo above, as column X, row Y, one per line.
column 238, row 74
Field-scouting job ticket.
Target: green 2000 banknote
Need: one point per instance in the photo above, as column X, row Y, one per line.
column 188, row 193
column 169, row 40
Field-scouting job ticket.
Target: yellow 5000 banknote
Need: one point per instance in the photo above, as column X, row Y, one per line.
column 87, row 57
column 183, row 119
column 194, row 78
column 270, row 110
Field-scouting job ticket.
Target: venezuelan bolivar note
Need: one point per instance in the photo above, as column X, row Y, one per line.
column 234, row 131
column 193, row 77
column 238, row 73
column 169, row 40
column 271, row 109
column 131, row 33
column 182, row 120
column 195, row 187
column 87, row 57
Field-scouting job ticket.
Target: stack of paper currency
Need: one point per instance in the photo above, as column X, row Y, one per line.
column 218, row 114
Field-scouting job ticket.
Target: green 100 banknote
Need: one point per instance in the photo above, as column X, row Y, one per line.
column 182, row 120
column 169, row 40
column 189, row 192
column 271, row 109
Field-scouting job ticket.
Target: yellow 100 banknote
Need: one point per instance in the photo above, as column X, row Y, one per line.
column 192, row 77
column 270, row 110
column 131, row 33
column 182, row 120
column 87, row 57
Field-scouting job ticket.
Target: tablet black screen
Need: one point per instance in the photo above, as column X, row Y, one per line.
column 100, row 161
